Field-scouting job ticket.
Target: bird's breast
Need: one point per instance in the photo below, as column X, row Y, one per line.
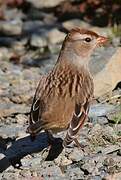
column 61, row 99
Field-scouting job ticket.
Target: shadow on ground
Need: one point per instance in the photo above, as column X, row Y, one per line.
column 25, row 146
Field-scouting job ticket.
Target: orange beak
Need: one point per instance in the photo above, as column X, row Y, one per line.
column 101, row 40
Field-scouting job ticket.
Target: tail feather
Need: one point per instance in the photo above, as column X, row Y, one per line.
column 72, row 133
column 76, row 123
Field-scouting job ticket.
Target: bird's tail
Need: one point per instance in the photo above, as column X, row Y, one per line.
column 76, row 123
column 72, row 133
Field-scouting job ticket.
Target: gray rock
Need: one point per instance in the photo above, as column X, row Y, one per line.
column 95, row 178
column 98, row 110
column 30, row 27
column 18, row 47
column 99, row 120
column 13, row 27
column 31, row 74
column 110, row 149
column 22, row 88
column 11, row 108
column 70, row 24
column 112, row 163
column 21, row 118
column 89, row 166
column 26, row 174
column 27, row 161
column 12, row 14
column 46, row 65
column 36, row 162
column 50, row 171
column 8, row 68
column 10, row 176
column 50, row 19
column 55, row 36
column 73, row 173
column 62, row 160
column 76, row 155
column 5, row 54
column 100, row 59
column 38, row 41
column 54, row 48
column 116, row 41
column 19, row 86
column 11, row 130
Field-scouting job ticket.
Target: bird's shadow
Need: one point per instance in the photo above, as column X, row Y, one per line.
column 24, row 146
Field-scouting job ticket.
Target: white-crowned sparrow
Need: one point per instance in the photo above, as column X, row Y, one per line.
column 63, row 96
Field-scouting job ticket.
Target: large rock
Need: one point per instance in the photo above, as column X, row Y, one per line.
column 107, row 74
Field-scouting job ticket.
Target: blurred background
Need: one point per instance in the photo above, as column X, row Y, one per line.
column 31, row 35
column 36, row 28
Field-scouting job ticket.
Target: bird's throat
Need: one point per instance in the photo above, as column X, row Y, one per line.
column 70, row 58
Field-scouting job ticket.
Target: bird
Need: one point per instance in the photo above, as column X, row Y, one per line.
column 63, row 96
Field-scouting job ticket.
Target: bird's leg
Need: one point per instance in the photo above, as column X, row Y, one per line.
column 33, row 129
column 79, row 145
column 50, row 137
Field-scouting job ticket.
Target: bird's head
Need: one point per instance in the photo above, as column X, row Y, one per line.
column 82, row 42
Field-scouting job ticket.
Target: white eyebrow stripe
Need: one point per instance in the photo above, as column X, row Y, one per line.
column 78, row 36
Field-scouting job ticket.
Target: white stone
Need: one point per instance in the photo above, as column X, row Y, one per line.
column 38, row 41
column 55, row 36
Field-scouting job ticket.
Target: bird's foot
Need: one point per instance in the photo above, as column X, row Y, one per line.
column 32, row 135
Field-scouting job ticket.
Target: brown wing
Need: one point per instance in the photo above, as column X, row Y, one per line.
column 35, row 122
column 76, row 123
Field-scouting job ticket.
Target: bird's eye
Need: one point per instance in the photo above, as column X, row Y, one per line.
column 87, row 39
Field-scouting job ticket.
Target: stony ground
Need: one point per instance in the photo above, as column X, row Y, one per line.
column 29, row 44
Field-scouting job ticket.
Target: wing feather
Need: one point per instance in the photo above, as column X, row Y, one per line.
column 35, row 122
